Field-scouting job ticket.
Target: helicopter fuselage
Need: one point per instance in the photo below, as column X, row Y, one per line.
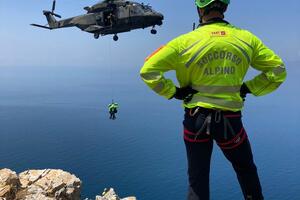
column 111, row 19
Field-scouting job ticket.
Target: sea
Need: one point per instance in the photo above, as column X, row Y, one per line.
column 57, row 117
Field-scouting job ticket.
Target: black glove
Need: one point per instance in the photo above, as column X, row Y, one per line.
column 244, row 91
column 185, row 93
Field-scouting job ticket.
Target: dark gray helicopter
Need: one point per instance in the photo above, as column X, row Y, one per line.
column 108, row 17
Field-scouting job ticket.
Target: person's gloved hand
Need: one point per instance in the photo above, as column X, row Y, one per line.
column 185, row 93
column 244, row 91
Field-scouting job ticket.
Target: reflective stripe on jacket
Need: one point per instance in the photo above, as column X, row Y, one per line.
column 113, row 106
column 214, row 60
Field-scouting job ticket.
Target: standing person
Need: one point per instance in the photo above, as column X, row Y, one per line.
column 211, row 63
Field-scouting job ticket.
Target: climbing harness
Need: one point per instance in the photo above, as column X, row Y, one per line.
column 204, row 122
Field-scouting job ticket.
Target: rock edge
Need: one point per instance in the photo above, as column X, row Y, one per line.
column 47, row 184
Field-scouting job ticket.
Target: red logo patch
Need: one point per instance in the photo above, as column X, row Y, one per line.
column 218, row 33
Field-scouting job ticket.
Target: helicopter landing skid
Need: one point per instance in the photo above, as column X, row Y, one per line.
column 115, row 38
column 96, row 35
column 153, row 30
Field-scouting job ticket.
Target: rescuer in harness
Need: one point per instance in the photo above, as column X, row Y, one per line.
column 211, row 63
column 113, row 110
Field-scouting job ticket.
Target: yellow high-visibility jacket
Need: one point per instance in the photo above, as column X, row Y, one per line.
column 214, row 60
column 113, row 106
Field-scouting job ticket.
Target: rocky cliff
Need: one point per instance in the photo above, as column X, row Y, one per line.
column 45, row 184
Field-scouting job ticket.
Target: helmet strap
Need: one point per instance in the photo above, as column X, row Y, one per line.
column 200, row 16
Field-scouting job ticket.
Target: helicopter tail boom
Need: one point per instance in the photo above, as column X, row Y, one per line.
column 51, row 20
column 53, row 24
column 50, row 16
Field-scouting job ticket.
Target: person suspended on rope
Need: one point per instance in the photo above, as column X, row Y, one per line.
column 113, row 110
column 210, row 64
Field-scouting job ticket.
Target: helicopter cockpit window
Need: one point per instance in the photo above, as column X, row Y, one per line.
column 136, row 9
column 147, row 8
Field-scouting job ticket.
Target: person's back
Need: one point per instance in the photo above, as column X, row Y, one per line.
column 211, row 63
column 214, row 60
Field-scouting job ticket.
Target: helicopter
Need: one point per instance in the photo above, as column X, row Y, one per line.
column 108, row 17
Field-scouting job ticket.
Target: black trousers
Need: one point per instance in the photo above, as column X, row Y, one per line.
column 112, row 115
column 201, row 128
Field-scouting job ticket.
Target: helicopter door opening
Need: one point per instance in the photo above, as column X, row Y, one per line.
column 107, row 16
column 110, row 17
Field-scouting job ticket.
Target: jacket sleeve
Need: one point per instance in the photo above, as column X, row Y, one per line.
column 162, row 60
column 271, row 66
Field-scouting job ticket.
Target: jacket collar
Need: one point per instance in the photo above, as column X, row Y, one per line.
column 213, row 21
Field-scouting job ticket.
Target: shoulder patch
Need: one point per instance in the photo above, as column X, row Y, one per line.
column 155, row 52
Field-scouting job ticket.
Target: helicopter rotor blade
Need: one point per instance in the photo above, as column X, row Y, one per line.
column 53, row 5
column 56, row 15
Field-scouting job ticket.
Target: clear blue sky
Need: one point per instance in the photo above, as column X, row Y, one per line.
column 23, row 45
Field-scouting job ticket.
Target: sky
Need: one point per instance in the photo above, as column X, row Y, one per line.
column 24, row 45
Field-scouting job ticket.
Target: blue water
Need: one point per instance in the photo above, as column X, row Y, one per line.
column 57, row 118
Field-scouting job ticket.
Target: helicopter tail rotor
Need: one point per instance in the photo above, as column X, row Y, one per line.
column 50, row 15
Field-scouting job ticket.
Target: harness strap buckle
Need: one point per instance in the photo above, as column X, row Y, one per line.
column 193, row 113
